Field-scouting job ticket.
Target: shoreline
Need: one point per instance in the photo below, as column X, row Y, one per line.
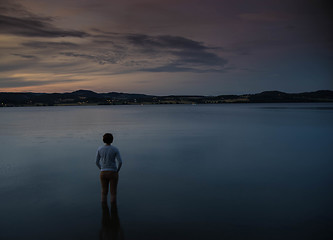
column 89, row 98
column 150, row 104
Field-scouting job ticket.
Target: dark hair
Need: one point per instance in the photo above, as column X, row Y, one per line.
column 108, row 138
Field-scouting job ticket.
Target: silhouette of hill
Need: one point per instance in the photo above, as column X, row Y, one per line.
column 276, row 96
column 87, row 97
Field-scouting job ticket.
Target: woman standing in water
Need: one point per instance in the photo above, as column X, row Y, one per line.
column 106, row 161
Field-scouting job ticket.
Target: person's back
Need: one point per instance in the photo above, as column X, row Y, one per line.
column 106, row 158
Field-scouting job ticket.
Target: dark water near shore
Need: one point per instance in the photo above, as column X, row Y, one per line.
column 239, row 171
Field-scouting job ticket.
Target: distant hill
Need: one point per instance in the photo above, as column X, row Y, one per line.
column 276, row 96
column 87, row 97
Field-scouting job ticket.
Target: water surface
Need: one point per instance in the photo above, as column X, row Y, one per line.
column 238, row 171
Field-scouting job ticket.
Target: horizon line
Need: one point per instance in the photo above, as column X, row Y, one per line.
column 167, row 94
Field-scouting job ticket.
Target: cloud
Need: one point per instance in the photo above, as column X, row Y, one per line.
column 13, row 66
column 199, row 58
column 9, row 8
column 57, row 45
column 24, row 56
column 183, row 54
column 175, row 67
column 10, row 82
column 101, row 59
column 143, row 52
column 15, row 19
column 191, row 61
column 166, row 41
column 106, row 52
column 34, row 27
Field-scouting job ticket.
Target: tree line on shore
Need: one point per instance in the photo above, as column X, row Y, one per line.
column 87, row 97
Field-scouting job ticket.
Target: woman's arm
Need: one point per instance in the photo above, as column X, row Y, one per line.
column 98, row 157
column 119, row 160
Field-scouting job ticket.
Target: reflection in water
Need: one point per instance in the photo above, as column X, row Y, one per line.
column 267, row 172
column 111, row 228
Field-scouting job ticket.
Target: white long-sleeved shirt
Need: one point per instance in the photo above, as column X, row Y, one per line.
column 106, row 157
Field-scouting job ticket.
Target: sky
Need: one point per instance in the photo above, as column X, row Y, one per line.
column 192, row 47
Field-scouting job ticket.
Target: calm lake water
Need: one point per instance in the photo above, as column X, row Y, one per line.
column 238, row 171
